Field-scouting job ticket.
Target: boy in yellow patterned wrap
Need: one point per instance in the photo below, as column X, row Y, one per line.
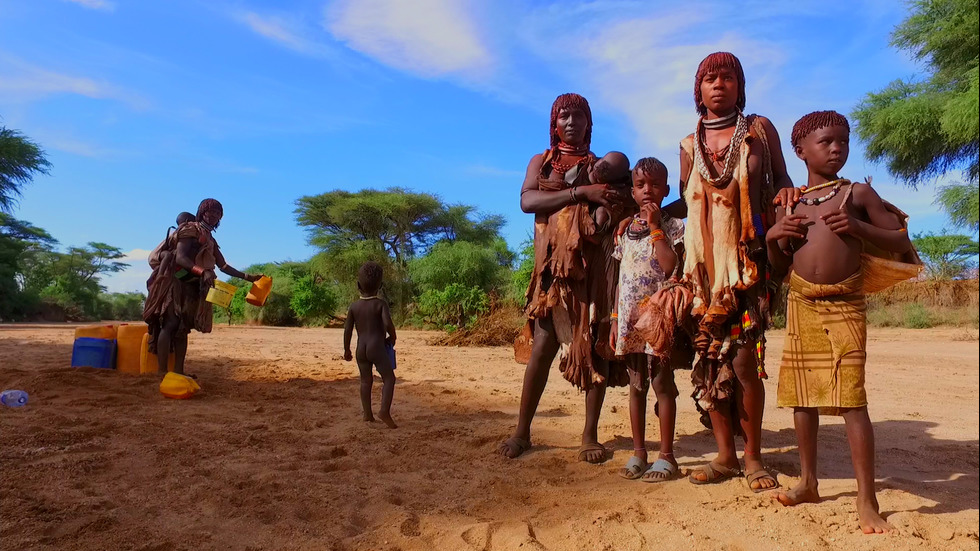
column 822, row 371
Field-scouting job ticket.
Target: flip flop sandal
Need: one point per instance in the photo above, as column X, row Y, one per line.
column 660, row 466
column 594, row 447
column 714, row 472
column 514, row 447
column 759, row 475
column 634, row 469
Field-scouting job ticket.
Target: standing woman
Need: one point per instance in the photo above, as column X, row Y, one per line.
column 570, row 294
column 176, row 290
column 731, row 170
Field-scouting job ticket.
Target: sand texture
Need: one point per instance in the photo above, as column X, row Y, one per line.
column 274, row 455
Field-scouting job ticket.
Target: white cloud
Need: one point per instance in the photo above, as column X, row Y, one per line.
column 25, row 82
column 132, row 279
column 103, row 5
column 285, row 31
column 429, row 38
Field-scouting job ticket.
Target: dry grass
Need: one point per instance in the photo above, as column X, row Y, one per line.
column 499, row 328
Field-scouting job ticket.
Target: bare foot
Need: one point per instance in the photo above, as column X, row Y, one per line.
column 388, row 421
column 753, row 464
column 513, row 447
column 801, row 493
column 869, row 519
column 368, row 416
column 592, row 452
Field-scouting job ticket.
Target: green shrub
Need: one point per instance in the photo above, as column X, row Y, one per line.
column 916, row 317
column 313, row 300
column 453, row 307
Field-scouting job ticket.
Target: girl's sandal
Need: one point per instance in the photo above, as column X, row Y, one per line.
column 634, row 468
column 714, row 473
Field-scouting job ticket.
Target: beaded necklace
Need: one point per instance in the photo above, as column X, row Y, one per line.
column 838, row 184
column 731, row 152
column 720, row 122
column 635, row 234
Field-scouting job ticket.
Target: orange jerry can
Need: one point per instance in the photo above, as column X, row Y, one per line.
column 107, row 332
column 261, row 288
column 149, row 361
column 129, row 348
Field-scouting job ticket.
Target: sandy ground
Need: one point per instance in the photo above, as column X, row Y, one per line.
column 274, row 455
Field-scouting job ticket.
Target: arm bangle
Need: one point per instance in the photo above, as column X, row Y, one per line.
column 614, row 316
column 197, row 270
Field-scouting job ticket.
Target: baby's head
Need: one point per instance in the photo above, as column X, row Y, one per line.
column 369, row 278
column 821, row 140
column 185, row 217
column 613, row 169
column 649, row 182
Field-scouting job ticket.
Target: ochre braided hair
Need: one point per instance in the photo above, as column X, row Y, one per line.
column 815, row 121
column 651, row 166
column 210, row 204
column 712, row 63
column 570, row 101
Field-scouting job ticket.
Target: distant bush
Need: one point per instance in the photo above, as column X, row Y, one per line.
column 916, row 317
column 456, row 306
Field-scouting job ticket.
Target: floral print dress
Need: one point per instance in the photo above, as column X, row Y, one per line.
column 640, row 276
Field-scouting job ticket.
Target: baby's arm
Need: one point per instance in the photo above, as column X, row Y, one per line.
column 389, row 325
column 883, row 228
column 602, row 217
column 348, row 333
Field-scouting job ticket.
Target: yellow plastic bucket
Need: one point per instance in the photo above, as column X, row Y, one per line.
column 259, row 292
column 178, row 387
column 221, row 294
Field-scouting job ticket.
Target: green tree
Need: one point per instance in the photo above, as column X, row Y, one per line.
column 20, row 244
column 947, row 256
column 961, row 203
column 404, row 223
column 75, row 276
column 20, row 160
column 924, row 128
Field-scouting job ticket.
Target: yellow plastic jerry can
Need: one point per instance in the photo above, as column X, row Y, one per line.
column 178, row 387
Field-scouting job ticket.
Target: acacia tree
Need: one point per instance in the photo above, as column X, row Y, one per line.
column 391, row 227
column 961, row 203
column 925, row 128
column 20, row 160
column 947, row 256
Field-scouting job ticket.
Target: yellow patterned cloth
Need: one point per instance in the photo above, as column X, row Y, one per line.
column 825, row 351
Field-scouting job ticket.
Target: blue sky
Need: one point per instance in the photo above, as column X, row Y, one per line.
column 145, row 108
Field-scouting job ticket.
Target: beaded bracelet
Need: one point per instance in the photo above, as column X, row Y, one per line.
column 658, row 235
column 614, row 316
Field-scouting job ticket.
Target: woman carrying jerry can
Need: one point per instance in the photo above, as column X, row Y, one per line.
column 180, row 281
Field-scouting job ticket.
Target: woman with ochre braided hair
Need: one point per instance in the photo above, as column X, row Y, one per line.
column 571, row 291
column 179, row 283
column 731, row 171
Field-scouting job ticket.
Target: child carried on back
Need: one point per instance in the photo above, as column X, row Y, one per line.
column 823, row 361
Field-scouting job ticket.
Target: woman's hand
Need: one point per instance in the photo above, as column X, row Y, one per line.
column 788, row 197
column 600, row 194
column 207, row 278
column 253, row 277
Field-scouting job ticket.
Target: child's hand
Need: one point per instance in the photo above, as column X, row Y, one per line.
column 788, row 197
column 841, row 223
column 651, row 213
column 790, row 226
column 348, row 356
